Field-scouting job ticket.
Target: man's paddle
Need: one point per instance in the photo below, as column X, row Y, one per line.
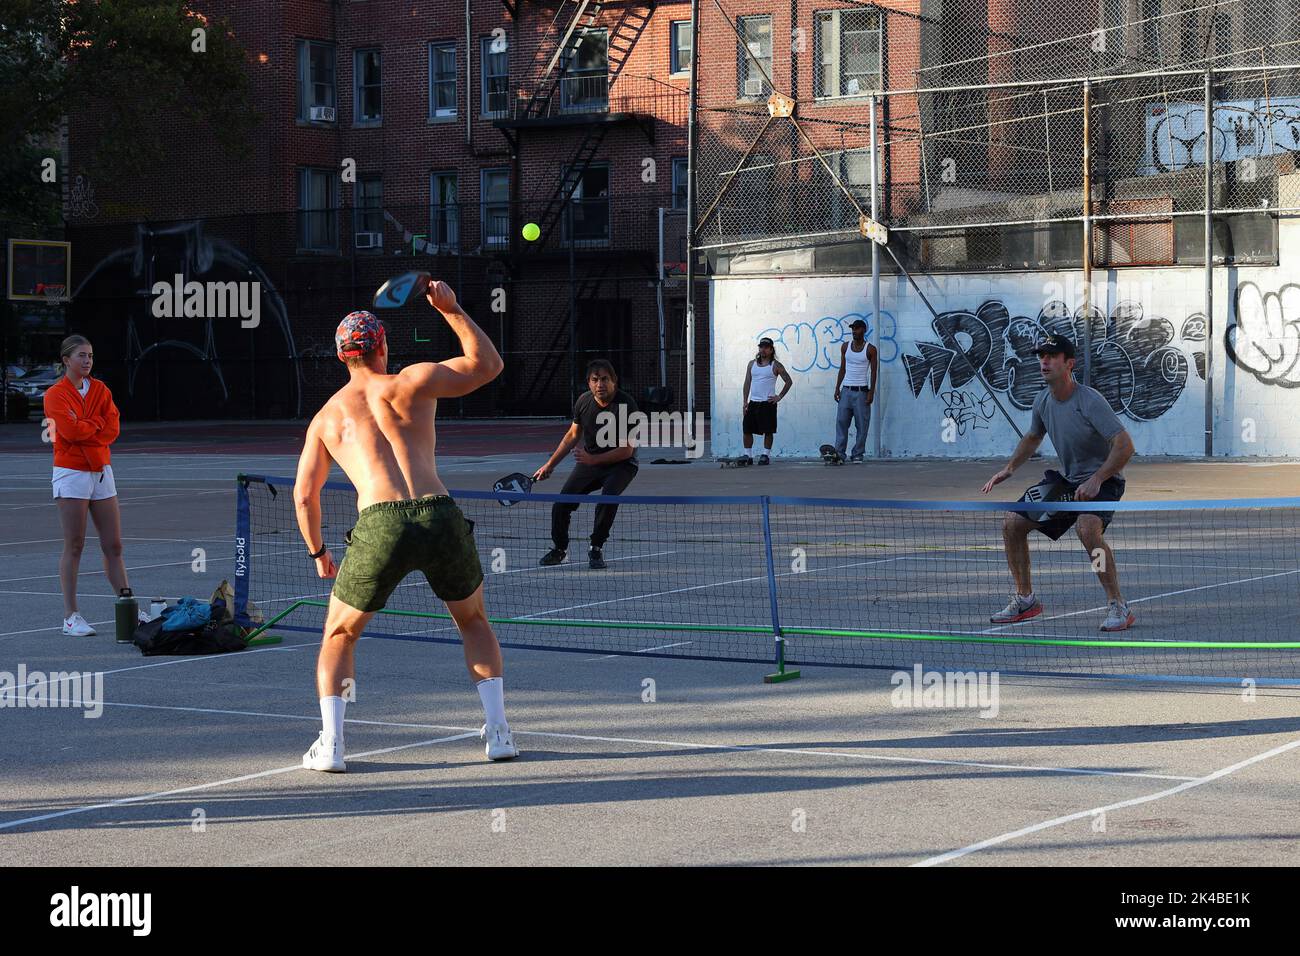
column 517, row 482
column 398, row 291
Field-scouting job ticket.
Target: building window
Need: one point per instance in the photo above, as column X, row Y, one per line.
column 444, row 223
column 370, row 204
column 679, row 183
column 680, row 55
column 1113, row 22
column 367, row 89
column 855, row 173
column 495, row 190
column 495, row 76
column 315, row 77
column 318, row 202
column 754, row 58
column 442, row 81
column 1151, row 13
column 586, row 74
column 1223, row 38
column 590, row 207
column 848, row 53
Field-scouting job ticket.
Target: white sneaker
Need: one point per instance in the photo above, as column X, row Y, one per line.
column 1118, row 617
column 500, row 742
column 326, row 754
column 76, row 626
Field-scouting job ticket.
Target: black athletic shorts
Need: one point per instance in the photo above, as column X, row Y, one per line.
column 760, row 418
column 1055, row 487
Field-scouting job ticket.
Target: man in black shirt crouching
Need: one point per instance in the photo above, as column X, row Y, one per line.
column 604, row 462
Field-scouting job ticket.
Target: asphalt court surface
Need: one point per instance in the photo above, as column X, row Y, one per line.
column 195, row 760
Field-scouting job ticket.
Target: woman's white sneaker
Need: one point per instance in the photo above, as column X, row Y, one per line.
column 76, row 626
column 325, row 754
column 500, row 742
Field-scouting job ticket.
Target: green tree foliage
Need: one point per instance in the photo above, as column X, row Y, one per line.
column 124, row 67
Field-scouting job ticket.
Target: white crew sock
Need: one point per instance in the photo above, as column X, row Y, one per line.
column 331, row 715
column 492, row 693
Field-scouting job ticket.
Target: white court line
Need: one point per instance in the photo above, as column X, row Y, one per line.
column 424, row 584
column 122, row 801
column 56, row 627
column 125, row 537
column 714, row 584
column 1084, row 814
column 1149, row 597
column 134, row 499
column 85, row 573
column 736, row 748
column 80, row 594
column 640, row 650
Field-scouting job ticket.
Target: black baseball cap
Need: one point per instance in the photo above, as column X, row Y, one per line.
column 765, row 341
column 1055, row 343
column 857, row 323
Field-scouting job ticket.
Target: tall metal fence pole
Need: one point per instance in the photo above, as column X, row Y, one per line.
column 692, row 143
column 875, row 293
column 1209, row 263
column 1087, row 233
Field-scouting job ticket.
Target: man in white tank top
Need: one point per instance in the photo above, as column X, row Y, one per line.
column 759, row 413
column 855, row 390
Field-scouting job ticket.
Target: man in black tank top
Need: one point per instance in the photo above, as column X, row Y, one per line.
column 607, row 466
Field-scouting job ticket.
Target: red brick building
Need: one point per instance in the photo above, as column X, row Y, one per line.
column 424, row 135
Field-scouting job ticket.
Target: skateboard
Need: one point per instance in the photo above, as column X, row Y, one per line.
column 830, row 455
column 740, row 461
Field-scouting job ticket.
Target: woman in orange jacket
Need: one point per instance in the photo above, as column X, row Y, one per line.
column 85, row 423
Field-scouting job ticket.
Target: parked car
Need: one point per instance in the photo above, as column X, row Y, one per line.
column 35, row 382
column 17, row 405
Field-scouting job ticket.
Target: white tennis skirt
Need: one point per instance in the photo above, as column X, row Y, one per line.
column 89, row 485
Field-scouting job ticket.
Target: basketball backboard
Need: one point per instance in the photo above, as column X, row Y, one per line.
column 40, row 270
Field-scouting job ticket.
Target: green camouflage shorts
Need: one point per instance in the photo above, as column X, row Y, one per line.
column 395, row 538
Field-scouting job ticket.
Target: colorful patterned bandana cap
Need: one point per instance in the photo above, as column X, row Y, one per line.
column 358, row 334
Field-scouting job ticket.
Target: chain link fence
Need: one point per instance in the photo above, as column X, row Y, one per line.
column 980, row 112
column 590, row 285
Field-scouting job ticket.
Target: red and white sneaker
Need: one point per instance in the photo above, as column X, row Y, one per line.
column 1020, row 609
column 1119, row 618
column 75, row 626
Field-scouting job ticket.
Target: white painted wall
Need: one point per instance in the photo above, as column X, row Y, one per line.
column 1147, row 360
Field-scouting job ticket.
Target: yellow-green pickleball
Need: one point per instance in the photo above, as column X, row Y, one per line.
column 532, row 231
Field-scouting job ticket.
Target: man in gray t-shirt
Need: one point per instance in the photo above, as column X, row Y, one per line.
column 1094, row 447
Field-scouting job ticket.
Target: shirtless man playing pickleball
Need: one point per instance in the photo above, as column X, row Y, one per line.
column 380, row 430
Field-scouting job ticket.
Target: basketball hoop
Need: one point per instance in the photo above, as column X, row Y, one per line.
column 53, row 291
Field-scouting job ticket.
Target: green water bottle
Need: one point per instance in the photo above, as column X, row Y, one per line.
column 127, row 614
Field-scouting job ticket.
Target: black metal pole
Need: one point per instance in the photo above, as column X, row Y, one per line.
column 573, row 310
column 691, row 146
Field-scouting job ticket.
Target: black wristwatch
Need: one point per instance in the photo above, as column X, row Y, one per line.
column 323, row 549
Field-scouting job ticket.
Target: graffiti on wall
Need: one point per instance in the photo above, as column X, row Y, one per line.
column 1265, row 339
column 809, row 346
column 1241, row 129
column 1135, row 363
column 967, row 409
